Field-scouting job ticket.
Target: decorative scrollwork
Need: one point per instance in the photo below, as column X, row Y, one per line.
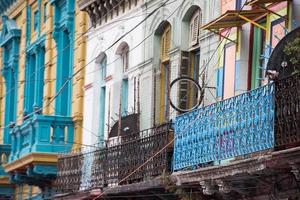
column 287, row 118
column 108, row 166
column 233, row 127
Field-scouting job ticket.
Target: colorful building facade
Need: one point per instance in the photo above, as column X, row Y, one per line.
column 249, row 31
column 149, row 55
column 110, row 93
column 42, row 75
column 241, row 147
column 242, row 142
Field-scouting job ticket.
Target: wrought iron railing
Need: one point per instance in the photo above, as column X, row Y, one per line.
column 112, row 164
column 233, row 127
column 287, row 118
column 42, row 134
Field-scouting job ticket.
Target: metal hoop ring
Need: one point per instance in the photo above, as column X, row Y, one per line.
column 199, row 98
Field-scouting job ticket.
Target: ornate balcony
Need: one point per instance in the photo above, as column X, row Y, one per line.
column 109, row 166
column 234, row 127
column 101, row 10
column 35, row 145
column 287, row 117
column 242, row 127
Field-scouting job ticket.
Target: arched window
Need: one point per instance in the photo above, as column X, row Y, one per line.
column 63, row 34
column 194, row 28
column 123, row 52
column 10, row 43
column 165, row 45
column 190, row 57
column 64, row 71
column 125, row 58
column 34, row 73
column 102, row 62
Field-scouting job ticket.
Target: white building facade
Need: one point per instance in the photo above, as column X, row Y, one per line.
column 135, row 52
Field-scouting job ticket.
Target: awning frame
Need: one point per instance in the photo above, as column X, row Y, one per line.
column 258, row 4
column 238, row 14
column 227, row 38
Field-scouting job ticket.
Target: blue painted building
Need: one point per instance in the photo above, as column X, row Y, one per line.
column 41, row 105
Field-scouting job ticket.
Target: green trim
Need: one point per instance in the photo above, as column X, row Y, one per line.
column 257, row 52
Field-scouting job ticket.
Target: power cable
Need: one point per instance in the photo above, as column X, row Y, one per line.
column 64, row 85
column 166, row 146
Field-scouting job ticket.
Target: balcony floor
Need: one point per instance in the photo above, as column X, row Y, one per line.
column 147, row 188
column 243, row 177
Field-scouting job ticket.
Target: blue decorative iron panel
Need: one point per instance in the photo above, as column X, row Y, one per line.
column 237, row 126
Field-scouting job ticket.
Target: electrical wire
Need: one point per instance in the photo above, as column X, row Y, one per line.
column 64, row 85
column 69, row 45
column 166, row 146
column 145, row 162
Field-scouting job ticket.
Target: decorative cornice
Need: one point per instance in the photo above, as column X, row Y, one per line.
column 39, row 43
column 63, row 21
column 82, row 4
column 9, row 31
column 99, row 9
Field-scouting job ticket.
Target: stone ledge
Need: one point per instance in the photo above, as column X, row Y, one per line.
column 32, row 158
column 246, row 166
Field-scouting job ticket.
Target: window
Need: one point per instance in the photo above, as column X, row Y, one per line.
column 123, row 61
column 103, row 68
column 125, row 58
column 165, row 44
column 102, row 63
column 102, row 114
column 10, row 71
column 219, row 79
column 190, row 60
column 34, row 87
column 63, row 102
column 194, row 28
column 36, row 20
column 194, row 73
column 124, row 101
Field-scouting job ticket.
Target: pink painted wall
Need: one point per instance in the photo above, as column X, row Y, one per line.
column 227, row 5
column 278, row 33
column 229, row 71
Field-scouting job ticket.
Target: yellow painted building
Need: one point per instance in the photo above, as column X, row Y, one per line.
column 41, row 97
